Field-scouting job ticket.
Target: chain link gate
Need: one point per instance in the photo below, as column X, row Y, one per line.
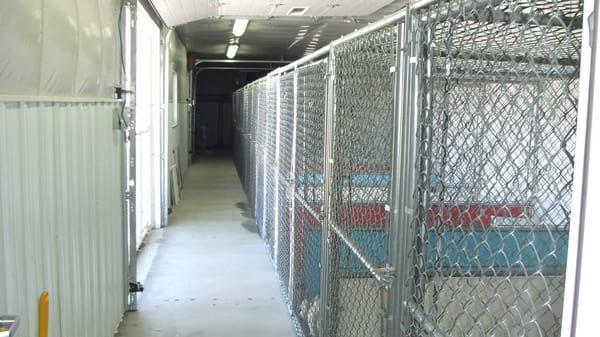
column 252, row 184
column 496, row 141
column 443, row 206
column 245, row 118
column 308, row 194
column 271, row 171
column 236, row 143
column 358, row 205
column 285, row 194
column 261, row 131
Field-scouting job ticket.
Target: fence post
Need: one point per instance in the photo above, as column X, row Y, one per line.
column 292, row 200
column 276, row 174
column 327, row 166
column 403, row 170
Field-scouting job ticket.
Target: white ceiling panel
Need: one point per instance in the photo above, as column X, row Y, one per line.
column 316, row 8
column 264, row 39
column 271, row 34
column 178, row 12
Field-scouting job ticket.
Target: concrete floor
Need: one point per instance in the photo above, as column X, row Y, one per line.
column 210, row 275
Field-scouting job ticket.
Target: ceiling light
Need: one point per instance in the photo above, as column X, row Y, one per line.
column 239, row 27
column 232, row 50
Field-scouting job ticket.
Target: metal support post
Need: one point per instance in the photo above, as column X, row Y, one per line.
column 326, row 234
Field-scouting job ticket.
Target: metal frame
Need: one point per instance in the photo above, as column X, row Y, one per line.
column 292, row 209
column 164, row 129
column 574, row 314
column 129, row 197
column 402, row 207
column 326, row 236
column 276, row 174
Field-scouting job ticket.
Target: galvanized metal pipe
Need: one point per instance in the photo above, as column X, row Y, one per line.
column 383, row 280
column 307, row 206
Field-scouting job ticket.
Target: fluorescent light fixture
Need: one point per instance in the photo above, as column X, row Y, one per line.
column 232, row 50
column 239, row 27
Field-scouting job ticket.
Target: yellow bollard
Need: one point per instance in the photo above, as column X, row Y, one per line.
column 43, row 314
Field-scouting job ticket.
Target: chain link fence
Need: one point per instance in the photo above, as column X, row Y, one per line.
column 251, row 145
column 237, row 132
column 308, row 193
column 261, row 132
column 417, row 180
column 271, row 172
column 285, row 184
column 360, row 188
column 495, row 165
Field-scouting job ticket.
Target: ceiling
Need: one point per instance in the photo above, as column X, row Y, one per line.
column 205, row 25
column 179, row 12
column 274, row 39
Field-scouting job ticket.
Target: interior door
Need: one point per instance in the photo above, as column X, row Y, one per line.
column 147, row 125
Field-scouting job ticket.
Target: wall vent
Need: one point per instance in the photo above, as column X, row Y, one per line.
column 298, row 11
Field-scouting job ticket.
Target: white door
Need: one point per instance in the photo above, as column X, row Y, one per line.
column 147, row 94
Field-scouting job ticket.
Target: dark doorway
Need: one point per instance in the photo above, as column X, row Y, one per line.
column 213, row 109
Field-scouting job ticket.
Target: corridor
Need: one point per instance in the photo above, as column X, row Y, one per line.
column 303, row 168
column 211, row 275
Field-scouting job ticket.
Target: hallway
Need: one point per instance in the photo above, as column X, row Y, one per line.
column 211, row 275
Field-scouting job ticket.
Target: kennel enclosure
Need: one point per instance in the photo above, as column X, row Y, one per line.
column 415, row 177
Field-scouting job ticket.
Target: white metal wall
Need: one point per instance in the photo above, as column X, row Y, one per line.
column 61, row 225
column 59, row 48
column 178, row 135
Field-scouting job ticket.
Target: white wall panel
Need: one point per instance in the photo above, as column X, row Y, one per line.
column 111, row 51
column 178, row 135
column 60, row 216
column 60, row 35
column 20, row 43
column 89, row 53
column 59, row 48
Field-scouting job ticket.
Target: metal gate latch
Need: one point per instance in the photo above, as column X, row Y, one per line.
column 136, row 287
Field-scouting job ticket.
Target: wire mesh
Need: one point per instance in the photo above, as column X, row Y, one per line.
column 271, row 171
column 497, row 120
column 362, row 154
column 252, row 147
column 308, row 187
column 261, row 130
column 244, row 117
column 494, row 102
column 236, row 129
column 238, row 134
column 285, row 184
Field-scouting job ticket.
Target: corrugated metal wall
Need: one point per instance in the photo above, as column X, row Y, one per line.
column 61, row 224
